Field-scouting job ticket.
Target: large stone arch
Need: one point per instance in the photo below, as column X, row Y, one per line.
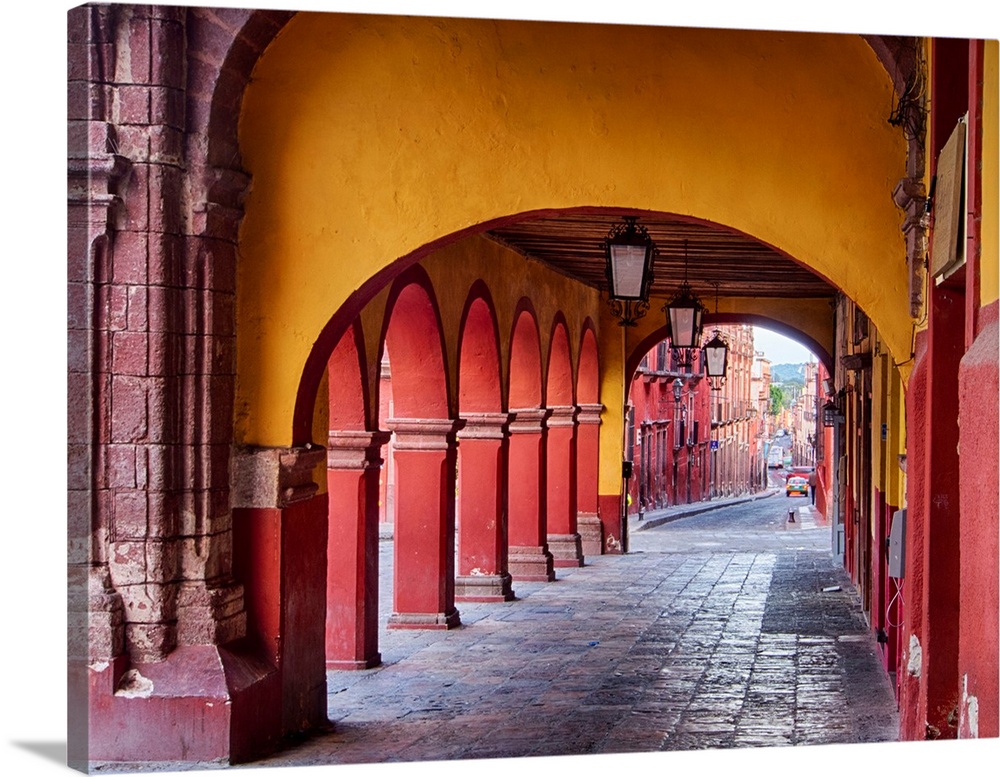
column 835, row 219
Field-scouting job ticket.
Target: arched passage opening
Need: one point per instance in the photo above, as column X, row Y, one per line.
column 424, row 455
column 560, row 451
column 482, row 457
column 595, row 537
column 353, row 487
column 530, row 558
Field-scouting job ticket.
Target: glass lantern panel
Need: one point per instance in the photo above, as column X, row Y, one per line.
column 682, row 326
column 628, row 264
column 715, row 361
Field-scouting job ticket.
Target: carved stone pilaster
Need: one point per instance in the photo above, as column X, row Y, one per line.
column 589, row 413
column 529, row 421
column 424, row 434
column 275, row 477
column 485, row 426
column 347, row 450
column 562, row 415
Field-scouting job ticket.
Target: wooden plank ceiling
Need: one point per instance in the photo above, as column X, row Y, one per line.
column 739, row 264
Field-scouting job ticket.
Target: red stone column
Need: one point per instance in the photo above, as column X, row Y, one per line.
column 280, row 540
column 588, row 519
column 482, row 511
column 353, row 466
column 560, row 465
column 424, row 587
column 528, row 558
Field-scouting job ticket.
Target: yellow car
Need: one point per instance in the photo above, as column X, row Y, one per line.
column 797, row 485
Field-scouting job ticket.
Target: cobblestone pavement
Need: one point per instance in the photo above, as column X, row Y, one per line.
column 718, row 630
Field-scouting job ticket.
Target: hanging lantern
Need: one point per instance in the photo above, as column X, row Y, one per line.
column 629, row 254
column 830, row 414
column 716, row 353
column 684, row 315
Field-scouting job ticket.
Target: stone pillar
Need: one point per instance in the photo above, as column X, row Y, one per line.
column 280, row 539
column 151, row 380
column 353, row 465
column 96, row 652
column 482, row 511
column 560, row 465
column 424, row 586
column 529, row 558
column 588, row 520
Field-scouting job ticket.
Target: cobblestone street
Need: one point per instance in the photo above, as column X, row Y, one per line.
column 732, row 628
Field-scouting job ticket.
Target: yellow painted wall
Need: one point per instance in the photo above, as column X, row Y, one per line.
column 368, row 137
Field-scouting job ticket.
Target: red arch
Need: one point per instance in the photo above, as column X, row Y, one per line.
column 348, row 386
column 642, row 348
column 479, row 353
column 525, row 359
column 559, row 376
column 588, row 373
column 412, row 334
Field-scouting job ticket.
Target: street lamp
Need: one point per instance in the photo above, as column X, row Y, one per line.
column 831, row 413
column 684, row 319
column 678, row 387
column 629, row 253
column 716, row 353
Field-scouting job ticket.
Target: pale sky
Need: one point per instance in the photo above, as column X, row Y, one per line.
column 779, row 349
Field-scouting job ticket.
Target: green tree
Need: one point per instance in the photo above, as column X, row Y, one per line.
column 778, row 398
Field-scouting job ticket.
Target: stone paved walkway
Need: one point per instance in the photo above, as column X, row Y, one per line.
column 716, row 631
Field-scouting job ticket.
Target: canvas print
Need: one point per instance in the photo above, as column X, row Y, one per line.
column 446, row 388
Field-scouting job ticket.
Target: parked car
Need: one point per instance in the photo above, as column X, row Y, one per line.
column 797, row 485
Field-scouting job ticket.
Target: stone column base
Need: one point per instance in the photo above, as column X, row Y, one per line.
column 591, row 533
column 566, row 549
column 483, row 588
column 348, row 665
column 437, row 621
column 531, row 564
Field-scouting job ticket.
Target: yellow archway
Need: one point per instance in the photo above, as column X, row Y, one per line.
column 371, row 137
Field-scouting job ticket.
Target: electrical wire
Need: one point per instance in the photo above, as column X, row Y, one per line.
column 888, row 607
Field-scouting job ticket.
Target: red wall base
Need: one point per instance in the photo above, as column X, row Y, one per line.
column 612, row 524
column 200, row 704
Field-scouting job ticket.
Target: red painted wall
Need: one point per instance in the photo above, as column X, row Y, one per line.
column 908, row 682
column 979, row 606
column 655, row 486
